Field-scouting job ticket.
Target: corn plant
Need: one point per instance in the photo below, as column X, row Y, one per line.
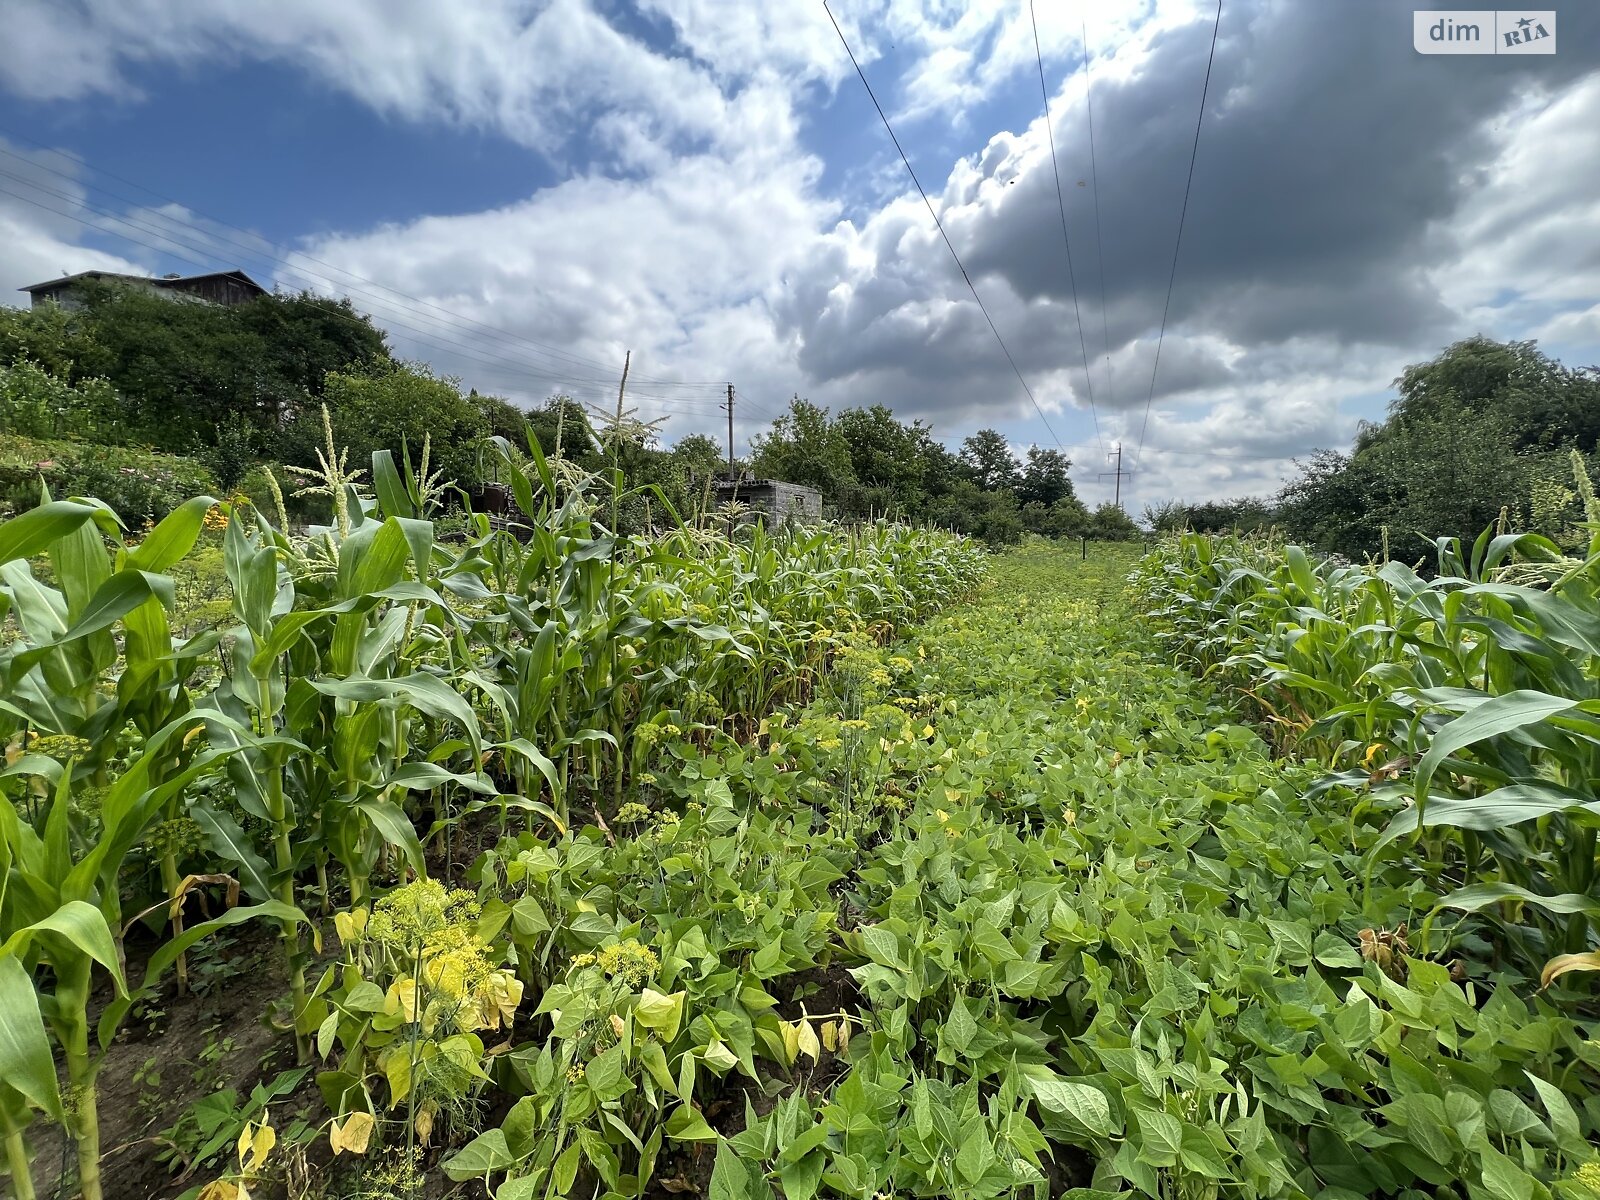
column 1463, row 705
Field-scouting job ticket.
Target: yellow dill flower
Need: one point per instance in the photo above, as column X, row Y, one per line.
column 457, row 967
column 60, row 745
column 629, row 961
column 414, row 916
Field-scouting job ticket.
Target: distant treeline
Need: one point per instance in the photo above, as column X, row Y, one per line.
column 1483, row 427
column 865, row 461
column 134, row 395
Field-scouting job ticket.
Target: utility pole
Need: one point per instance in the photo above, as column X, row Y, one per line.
column 730, row 434
column 1117, row 474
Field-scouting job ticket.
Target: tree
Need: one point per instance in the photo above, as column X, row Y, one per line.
column 185, row 370
column 988, row 458
column 1109, row 523
column 886, row 457
column 504, row 418
column 1246, row 514
column 1044, row 477
column 1546, row 404
column 805, row 447
column 1328, row 505
column 561, row 423
column 394, row 408
column 50, row 336
column 1469, row 432
column 992, row 517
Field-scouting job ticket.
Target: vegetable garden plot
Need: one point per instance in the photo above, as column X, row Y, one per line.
column 998, row 904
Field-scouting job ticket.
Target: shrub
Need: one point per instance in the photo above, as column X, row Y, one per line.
column 139, row 485
column 36, row 403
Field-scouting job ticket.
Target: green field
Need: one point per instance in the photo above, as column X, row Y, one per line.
column 845, row 864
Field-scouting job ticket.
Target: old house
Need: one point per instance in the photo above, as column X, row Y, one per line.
column 219, row 287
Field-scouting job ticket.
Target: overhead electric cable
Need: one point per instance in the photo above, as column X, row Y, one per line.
column 1094, row 188
column 557, row 370
column 519, row 371
column 940, row 226
column 1066, row 241
column 1194, row 153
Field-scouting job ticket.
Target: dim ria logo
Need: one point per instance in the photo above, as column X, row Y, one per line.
column 1484, row 31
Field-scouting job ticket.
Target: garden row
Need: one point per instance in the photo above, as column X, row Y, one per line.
column 768, row 901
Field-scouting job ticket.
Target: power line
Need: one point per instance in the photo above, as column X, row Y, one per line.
column 1194, row 153
column 1094, row 187
column 760, row 410
column 940, row 226
column 187, row 252
column 254, row 249
column 1061, row 203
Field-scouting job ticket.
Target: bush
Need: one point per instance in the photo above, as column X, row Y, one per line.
column 37, row 403
column 139, row 485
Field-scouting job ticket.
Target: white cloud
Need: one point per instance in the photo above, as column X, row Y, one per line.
column 40, row 241
column 602, row 266
column 531, row 71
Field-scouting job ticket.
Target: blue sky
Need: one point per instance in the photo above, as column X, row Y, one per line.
column 522, row 190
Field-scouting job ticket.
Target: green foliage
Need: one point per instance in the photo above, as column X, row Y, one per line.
column 393, row 407
column 989, row 461
column 38, row 404
column 1044, row 478
column 785, row 864
column 1246, row 514
column 50, row 336
column 370, row 677
column 1108, row 523
column 804, row 446
column 1469, row 433
column 183, row 369
column 1083, row 931
column 867, row 463
column 140, row 485
column 561, row 427
column 1454, row 709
